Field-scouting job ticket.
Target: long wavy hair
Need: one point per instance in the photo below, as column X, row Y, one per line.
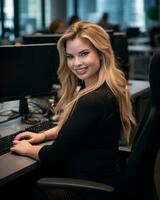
column 109, row 72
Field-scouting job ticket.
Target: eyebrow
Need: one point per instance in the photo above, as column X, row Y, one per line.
column 79, row 51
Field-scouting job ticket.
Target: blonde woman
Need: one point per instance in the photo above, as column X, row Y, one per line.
column 93, row 118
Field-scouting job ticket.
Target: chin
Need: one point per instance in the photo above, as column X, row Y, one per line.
column 82, row 77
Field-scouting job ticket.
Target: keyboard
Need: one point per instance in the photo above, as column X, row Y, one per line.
column 6, row 142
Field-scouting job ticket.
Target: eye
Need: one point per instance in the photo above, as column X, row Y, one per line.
column 84, row 54
column 69, row 57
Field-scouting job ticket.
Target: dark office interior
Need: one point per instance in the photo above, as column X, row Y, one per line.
column 29, row 91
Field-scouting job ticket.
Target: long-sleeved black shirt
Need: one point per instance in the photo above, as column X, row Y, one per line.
column 87, row 144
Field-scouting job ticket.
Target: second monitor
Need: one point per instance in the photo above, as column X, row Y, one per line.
column 40, row 39
column 27, row 71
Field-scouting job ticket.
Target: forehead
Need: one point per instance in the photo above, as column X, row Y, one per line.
column 78, row 44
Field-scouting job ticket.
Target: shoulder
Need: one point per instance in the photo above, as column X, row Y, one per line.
column 102, row 93
column 100, row 98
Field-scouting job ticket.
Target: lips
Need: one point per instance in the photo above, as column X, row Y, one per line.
column 81, row 71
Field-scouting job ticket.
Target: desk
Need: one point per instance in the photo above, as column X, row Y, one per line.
column 140, row 48
column 13, row 166
column 140, row 92
column 139, row 56
column 139, row 40
column 138, row 88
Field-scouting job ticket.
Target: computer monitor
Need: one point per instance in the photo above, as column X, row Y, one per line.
column 153, row 33
column 27, row 71
column 40, row 39
column 133, row 32
column 120, row 47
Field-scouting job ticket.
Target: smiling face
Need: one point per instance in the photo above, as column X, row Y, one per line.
column 83, row 60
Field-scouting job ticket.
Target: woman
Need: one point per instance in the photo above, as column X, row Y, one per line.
column 93, row 118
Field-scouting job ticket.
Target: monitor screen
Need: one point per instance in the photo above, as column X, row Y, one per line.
column 133, row 32
column 120, row 47
column 27, row 71
column 40, row 39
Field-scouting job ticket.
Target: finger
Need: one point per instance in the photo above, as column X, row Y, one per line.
column 19, row 136
column 22, row 135
column 13, row 149
column 14, row 142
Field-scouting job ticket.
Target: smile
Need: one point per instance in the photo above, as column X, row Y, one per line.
column 81, row 71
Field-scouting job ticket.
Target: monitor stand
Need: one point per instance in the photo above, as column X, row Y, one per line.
column 23, row 107
column 23, row 110
column 23, row 113
column 29, row 117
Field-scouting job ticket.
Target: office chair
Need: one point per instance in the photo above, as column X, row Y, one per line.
column 157, row 40
column 157, row 176
column 138, row 179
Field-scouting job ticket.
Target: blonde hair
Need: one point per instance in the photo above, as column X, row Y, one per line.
column 109, row 73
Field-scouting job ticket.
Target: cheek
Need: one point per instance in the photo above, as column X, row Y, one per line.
column 96, row 64
column 95, row 60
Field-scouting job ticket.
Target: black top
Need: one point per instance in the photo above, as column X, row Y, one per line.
column 87, row 144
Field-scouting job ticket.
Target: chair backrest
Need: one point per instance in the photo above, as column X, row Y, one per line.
column 157, row 40
column 157, row 176
column 140, row 165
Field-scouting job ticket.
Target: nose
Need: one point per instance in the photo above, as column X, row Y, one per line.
column 77, row 61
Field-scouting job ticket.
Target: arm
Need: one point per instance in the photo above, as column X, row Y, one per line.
column 25, row 147
column 51, row 133
column 82, row 122
column 35, row 138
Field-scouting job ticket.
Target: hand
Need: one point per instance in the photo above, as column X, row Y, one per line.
column 22, row 147
column 30, row 137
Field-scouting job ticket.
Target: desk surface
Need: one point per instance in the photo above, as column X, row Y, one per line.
column 141, row 48
column 139, row 40
column 13, row 166
column 138, row 87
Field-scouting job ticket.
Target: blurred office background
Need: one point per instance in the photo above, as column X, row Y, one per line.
column 140, row 19
column 19, row 17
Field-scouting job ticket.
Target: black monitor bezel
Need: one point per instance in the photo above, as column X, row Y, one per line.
column 26, row 96
column 41, row 39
